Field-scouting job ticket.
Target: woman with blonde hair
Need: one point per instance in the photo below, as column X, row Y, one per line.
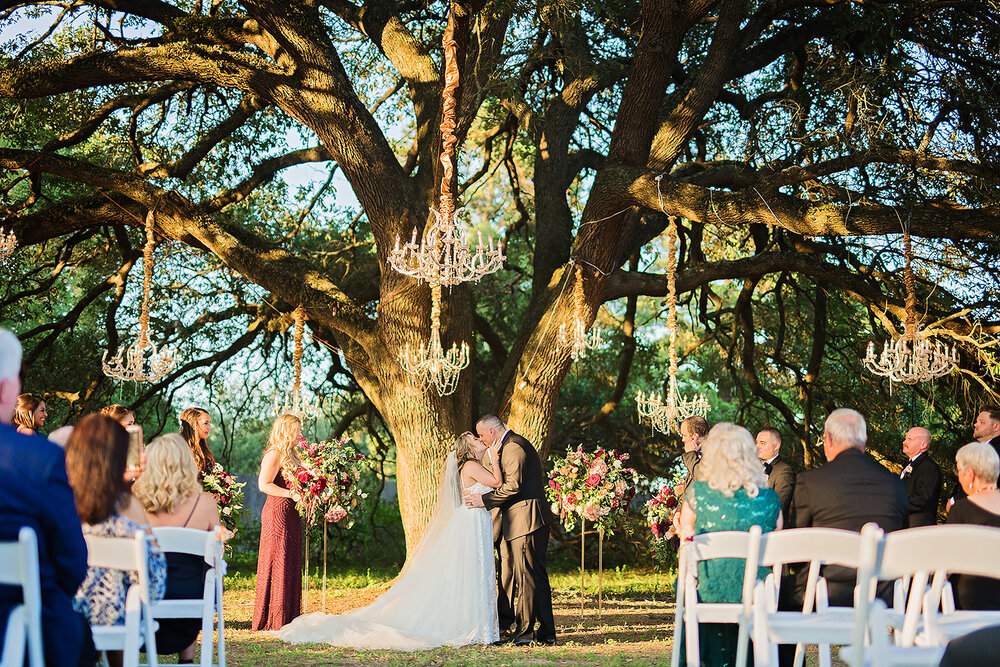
column 279, row 560
column 196, row 424
column 30, row 414
column 171, row 495
column 731, row 494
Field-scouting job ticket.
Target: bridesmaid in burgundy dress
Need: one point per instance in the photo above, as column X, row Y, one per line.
column 279, row 562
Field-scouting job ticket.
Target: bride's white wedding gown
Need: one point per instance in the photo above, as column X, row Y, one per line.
column 444, row 596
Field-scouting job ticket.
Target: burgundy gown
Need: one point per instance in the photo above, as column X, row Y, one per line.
column 279, row 563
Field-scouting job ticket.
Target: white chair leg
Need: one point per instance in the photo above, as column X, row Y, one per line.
column 800, row 655
column 824, row 655
column 691, row 629
column 742, row 641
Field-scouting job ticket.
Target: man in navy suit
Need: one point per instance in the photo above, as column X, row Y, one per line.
column 35, row 492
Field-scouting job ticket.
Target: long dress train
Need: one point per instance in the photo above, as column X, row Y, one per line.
column 444, row 596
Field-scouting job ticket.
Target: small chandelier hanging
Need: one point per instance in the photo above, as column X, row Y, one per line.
column 431, row 364
column 443, row 257
column 576, row 337
column 910, row 358
column 292, row 404
column 666, row 416
column 131, row 363
column 8, row 244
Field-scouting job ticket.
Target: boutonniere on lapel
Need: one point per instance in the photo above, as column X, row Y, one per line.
column 906, row 471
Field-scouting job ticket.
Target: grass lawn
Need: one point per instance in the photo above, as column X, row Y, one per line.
column 635, row 627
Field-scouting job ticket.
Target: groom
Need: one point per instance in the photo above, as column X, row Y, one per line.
column 525, row 520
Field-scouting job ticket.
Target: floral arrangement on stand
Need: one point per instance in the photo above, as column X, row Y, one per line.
column 228, row 494
column 326, row 485
column 660, row 510
column 595, row 487
column 326, row 481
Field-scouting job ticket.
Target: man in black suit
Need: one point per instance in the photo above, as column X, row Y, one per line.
column 922, row 478
column 693, row 430
column 35, row 492
column 780, row 473
column 525, row 518
column 986, row 428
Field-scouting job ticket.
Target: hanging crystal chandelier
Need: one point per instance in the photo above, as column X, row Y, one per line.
column 576, row 337
column 666, row 415
column 292, row 403
column 131, row 363
column 910, row 358
column 443, row 256
column 8, row 244
column 430, row 363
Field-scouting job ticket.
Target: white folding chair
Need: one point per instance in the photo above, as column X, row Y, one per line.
column 19, row 567
column 690, row 611
column 127, row 554
column 208, row 607
column 817, row 622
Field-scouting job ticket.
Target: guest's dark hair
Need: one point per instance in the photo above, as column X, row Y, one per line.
column 96, row 454
column 993, row 410
column 775, row 433
column 24, row 410
column 199, row 446
column 698, row 425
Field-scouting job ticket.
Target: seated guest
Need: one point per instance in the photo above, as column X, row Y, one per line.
column 780, row 473
column 30, row 414
column 96, row 453
column 119, row 413
column 922, row 478
column 986, row 429
column 36, row 493
column 977, row 465
column 730, row 494
column 172, row 496
column 975, row 649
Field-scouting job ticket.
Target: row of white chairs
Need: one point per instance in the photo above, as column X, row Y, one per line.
column 913, row 631
column 19, row 567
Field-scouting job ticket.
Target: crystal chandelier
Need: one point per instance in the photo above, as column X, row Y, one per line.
column 292, row 404
column 131, row 363
column 910, row 358
column 666, row 415
column 430, row 363
column 8, row 244
column 443, row 257
column 576, row 337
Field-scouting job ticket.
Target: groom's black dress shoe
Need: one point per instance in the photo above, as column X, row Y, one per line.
column 524, row 641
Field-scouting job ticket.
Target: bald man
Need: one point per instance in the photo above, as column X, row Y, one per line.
column 922, row 477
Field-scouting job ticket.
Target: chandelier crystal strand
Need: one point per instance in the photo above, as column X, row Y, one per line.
column 910, row 358
column 667, row 416
column 443, row 257
column 131, row 363
column 576, row 337
column 294, row 404
column 430, row 363
column 8, row 244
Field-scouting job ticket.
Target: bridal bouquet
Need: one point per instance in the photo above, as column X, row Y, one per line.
column 326, row 481
column 228, row 494
column 595, row 486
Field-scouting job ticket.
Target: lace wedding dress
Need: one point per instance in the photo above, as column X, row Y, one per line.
column 444, row 596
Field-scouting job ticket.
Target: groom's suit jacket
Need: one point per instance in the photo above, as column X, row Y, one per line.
column 521, row 496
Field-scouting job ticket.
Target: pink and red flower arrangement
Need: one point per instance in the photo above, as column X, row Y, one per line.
column 228, row 494
column 596, row 486
column 661, row 508
column 326, row 481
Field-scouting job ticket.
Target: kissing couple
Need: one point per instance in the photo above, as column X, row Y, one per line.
column 448, row 592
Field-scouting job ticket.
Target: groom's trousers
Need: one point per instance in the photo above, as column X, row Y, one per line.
column 505, row 584
column 532, row 593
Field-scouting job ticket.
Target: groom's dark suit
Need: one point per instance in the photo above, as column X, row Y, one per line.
column 525, row 519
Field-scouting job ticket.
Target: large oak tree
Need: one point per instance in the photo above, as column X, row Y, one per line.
column 782, row 134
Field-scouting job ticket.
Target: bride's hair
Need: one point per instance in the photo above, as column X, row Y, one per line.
column 464, row 449
column 283, row 439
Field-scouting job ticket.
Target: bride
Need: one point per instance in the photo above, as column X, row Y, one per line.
column 446, row 593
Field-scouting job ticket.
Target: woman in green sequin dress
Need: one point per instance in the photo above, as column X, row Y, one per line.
column 731, row 494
